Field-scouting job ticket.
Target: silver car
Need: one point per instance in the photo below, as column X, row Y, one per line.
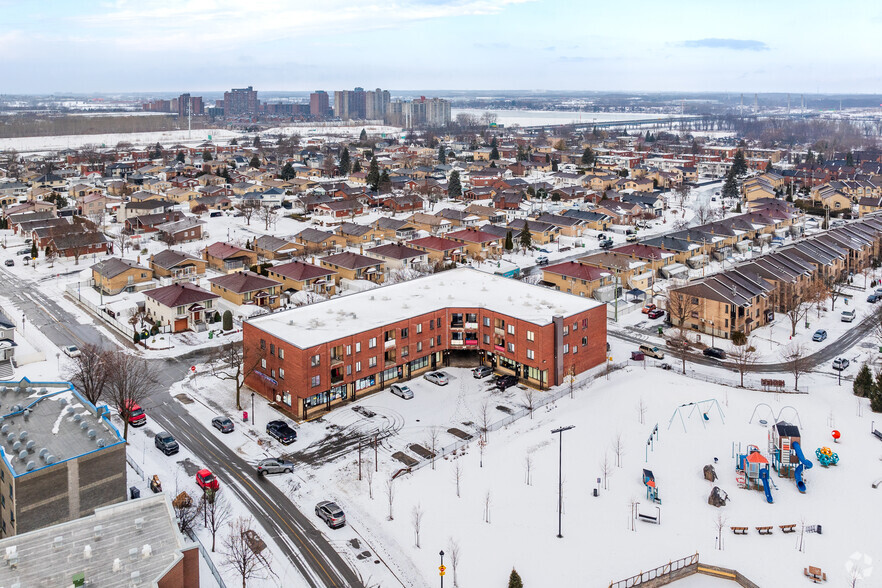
column 439, row 378
column 330, row 513
column 274, row 466
column 402, row 391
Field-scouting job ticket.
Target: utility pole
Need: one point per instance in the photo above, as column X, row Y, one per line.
column 560, row 477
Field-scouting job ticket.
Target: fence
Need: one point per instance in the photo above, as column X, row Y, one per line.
column 207, row 557
column 679, row 569
column 750, row 382
column 73, row 292
column 538, row 403
column 135, row 466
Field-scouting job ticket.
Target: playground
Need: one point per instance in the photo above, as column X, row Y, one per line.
column 635, row 484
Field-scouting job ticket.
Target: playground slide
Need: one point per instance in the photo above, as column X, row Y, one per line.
column 797, row 475
column 764, row 476
column 798, row 451
column 803, row 463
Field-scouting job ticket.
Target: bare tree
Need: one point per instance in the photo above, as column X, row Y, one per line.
column 269, row 215
column 485, row 420
column 453, row 550
column 236, row 362
column 487, row 507
column 704, row 213
column 641, row 410
column 390, row 496
column 416, row 519
column 248, row 208
column 606, row 470
column 529, row 403
column 457, row 475
column 719, row 524
column 216, row 511
column 433, row 442
column 837, row 291
column 239, row 552
column 528, row 469
column 796, row 361
column 130, row 381
column 482, row 444
column 744, row 357
column 796, row 309
column 89, row 372
column 618, row 447
column 681, row 306
column 121, row 241
column 369, row 476
column 185, row 511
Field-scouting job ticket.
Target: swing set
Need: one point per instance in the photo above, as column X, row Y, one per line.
column 703, row 407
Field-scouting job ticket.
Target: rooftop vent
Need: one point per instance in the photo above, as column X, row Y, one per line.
column 101, row 442
column 78, row 417
column 23, row 454
column 84, row 425
column 43, row 391
column 10, row 438
column 58, row 542
column 4, row 429
column 70, row 410
column 30, row 445
column 31, row 465
column 26, row 413
column 146, row 551
column 51, row 459
column 133, row 553
column 87, row 552
column 139, row 523
column 92, row 434
column 23, row 435
column 16, row 446
column 135, row 576
column 62, row 401
column 117, row 565
column 96, row 531
column 43, row 453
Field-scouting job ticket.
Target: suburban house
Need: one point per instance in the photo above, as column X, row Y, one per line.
column 540, row 232
column 439, row 249
column 132, row 209
column 224, row 257
column 477, row 243
column 184, row 230
column 311, row 240
column 394, row 229
column 353, row 266
column 269, row 247
column 180, row 307
column 246, row 287
column 299, row 276
column 114, row 275
column 397, row 256
column 429, row 222
column 79, row 244
column 575, row 278
column 147, row 223
column 339, row 209
column 178, row 266
column 356, row 234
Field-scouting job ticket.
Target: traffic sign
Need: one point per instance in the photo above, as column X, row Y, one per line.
column 441, row 569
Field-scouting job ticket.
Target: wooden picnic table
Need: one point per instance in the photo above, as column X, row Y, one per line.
column 815, row 574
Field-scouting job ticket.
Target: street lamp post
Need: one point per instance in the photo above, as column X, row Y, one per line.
column 560, row 477
column 442, row 568
column 252, row 408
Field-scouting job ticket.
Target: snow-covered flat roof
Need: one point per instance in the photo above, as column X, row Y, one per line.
column 460, row 288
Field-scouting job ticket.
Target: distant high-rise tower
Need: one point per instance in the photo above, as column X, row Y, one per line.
column 318, row 104
column 241, row 101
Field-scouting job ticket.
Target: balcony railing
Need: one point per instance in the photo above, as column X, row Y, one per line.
column 471, row 325
column 389, row 343
column 499, row 331
column 499, row 347
column 471, row 341
column 456, row 342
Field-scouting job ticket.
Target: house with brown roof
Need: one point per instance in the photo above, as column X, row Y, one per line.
column 439, row 249
column 478, row 243
column 112, row 276
column 77, row 244
column 178, row 266
column 429, row 222
column 339, row 209
column 356, row 234
column 179, row 307
column 575, row 278
column 397, row 256
column 246, row 287
column 299, row 276
column 311, row 240
column 270, row 247
column 394, row 229
column 185, row 230
column 224, row 257
column 354, row 266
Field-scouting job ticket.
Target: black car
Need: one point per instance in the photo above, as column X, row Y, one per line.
column 166, row 443
column 872, row 298
column 503, row 382
column 608, row 244
column 715, row 352
column 280, row 431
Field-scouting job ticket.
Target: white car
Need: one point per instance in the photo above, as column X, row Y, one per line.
column 439, row 378
column 71, row 350
column 402, row 391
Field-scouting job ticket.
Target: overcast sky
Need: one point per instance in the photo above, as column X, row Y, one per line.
column 637, row 45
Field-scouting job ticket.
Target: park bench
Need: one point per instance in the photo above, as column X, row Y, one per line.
column 739, row 530
column 764, row 530
column 788, row 528
column 815, row 574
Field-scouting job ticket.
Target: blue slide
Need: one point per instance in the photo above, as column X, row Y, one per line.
column 764, row 476
column 797, row 473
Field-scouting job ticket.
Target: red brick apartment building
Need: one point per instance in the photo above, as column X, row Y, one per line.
column 317, row 356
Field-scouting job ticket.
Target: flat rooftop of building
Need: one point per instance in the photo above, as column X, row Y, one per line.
column 124, row 532
column 55, row 419
column 330, row 320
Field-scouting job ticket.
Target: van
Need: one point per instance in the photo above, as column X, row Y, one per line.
column 542, row 260
column 652, row 351
column 847, row 316
column 216, row 214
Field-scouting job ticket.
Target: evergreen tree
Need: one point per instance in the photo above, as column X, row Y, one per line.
column 345, row 162
column 373, row 175
column 227, row 321
column 180, row 157
column 730, row 187
column 494, row 152
column 588, row 156
column 493, row 143
column 820, row 159
column 385, row 180
column 525, row 238
column 738, row 208
column 514, row 580
column 810, row 157
column 531, row 190
column 454, row 186
column 493, row 164
column 356, row 167
column 509, row 242
column 876, row 394
column 547, row 158
column 34, row 250
column 256, row 142
column 206, row 155
column 863, row 382
column 849, row 159
column 157, row 151
column 255, row 162
column 363, row 136
column 287, row 171
column 442, row 155
column 769, row 167
column 738, row 163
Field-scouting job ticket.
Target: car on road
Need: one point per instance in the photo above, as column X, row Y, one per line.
column 438, row 378
column 137, row 416
column 873, row 298
column 281, row 432
column 330, row 513
column 847, row 316
column 715, row 352
column 25, row 251
column 9, row 262
column 401, row 391
column 648, row 308
column 819, row 335
column 507, row 381
column 166, row 443
column 542, row 260
column 206, row 480
column 71, row 350
column 608, row 244
column 274, row 465
column 840, row 363
column 652, row 351
column 655, row 313
column 223, row 424
column 631, row 238
column 878, row 292
column 482, row 371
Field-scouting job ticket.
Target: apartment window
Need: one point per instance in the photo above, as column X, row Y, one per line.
column 358, row 347
column 438, row 342
column 273, row 373
column 357, row 366
column 486, row 321
column 272, row 349
column 511, row 347
column 530, row 336
column 566, row 330
column 262, row 344
column 404, row 333
column 372, row 362
column 315, row 361
column 431, row 343
column 349, row 350
column 263, row 363
column 281, row 374
column 566, row 348
column 348, row 370
column 281, row 353
column 575, row 349
column 316, row 381
column 584, row 323
column 372, row 343
column 499, row 323
column 486, row 339
column 405, row 351
column 530, row 354
column 575, row 327
column 419, row 346
column 511, row 329
column 419, row 328
column 431, row 324
column 584, row 341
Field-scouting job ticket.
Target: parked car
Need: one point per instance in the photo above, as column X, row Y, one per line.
column 507, row 381
column 402, row 391
column 439, row 378
column 655, row 313
column 281, row 432
column 215, row 214
column 601, row 237
column 482, row 371
column 847, row 316
column 631, row 238
column 274, row 465
column 840, row 363
column 9, row 263
column 25, row 251
column 206, row 480
column 166, row 443
column 223, row 424
column 608, row 244
column 542, row 260
column 873, row 298
column 330, row 513
column 652, row 351
column 715, row 352
column 819, row 335
column 71, row 350
column 878, row 292
column 648, row 308
column 137, row 416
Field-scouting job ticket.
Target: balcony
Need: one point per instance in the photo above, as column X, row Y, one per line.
column 500, row 348
column 499, row 331
column 471, row 325
column 336, row 360
column 389, row 344
column 457, row 325
column 471, row 342
column 456, row 342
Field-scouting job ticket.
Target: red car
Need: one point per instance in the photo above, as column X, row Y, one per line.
column 648, row 308
column 137, row 417
column 655, row 313
column 206, row 480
